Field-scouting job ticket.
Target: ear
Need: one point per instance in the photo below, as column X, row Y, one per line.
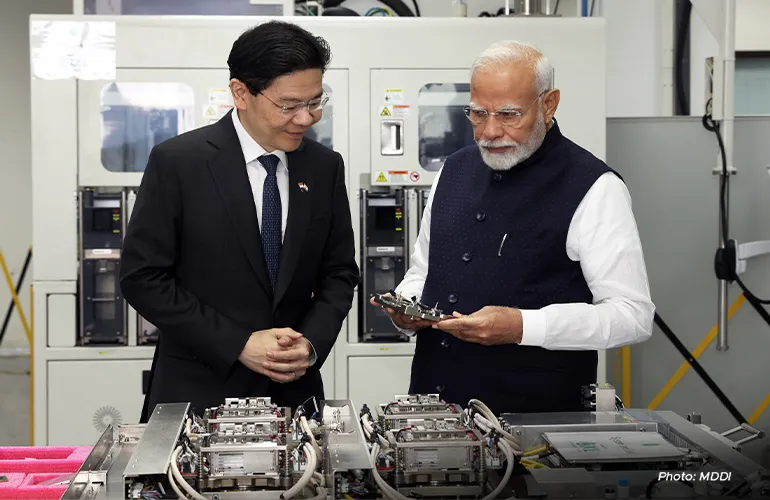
column 240, row 93
column 551, row 101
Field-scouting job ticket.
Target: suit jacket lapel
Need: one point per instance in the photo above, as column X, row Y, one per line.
column 228, row 168
column 300, row 172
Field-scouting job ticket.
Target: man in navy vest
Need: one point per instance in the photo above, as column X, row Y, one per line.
column 530, row 242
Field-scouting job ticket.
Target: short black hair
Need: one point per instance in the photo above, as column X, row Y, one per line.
column 273, row 49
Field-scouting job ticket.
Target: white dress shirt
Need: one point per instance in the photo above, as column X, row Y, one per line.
column 257, row 175
column 604, row 238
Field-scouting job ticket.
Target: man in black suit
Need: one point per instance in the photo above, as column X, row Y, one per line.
column 240, row 247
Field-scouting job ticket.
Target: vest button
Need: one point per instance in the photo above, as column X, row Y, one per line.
column 466, row 257
column 445, row 343
column 497, row 177
column 481, row 216
column 440, row 388
column 452, row 298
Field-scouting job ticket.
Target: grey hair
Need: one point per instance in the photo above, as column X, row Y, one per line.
column 511, row 52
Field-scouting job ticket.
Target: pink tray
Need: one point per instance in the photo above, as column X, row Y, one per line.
column 26, row 467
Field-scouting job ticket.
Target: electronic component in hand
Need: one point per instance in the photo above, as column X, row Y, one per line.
column 408, row 307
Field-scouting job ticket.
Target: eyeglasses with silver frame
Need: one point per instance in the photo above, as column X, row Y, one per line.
column 509, row 116
column 313, row 105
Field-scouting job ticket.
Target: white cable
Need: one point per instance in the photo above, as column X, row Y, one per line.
column 387, row 490
column 188, row 426
column 306, row 476
column 320, row 493
column 489, row 416
column 305, row 426
column 320, row 478
column 179, row 479
column 174, row 487
column 368, row 426
column 508, row 471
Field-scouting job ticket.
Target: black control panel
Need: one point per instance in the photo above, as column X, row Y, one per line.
column 384, row 257
column 102, row 311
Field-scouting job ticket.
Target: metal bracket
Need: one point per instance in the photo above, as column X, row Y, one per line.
column 746, row 251
column 754, row 434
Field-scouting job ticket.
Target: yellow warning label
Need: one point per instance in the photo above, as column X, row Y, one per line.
column 211, row 112
column 385, row 112
column 382, row 178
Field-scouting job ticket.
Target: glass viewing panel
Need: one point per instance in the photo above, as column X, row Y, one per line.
column 138, row 116
column 182, row 7
column 443, row 127
column 323, row 131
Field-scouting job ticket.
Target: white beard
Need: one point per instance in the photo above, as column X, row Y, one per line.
column 519, row 153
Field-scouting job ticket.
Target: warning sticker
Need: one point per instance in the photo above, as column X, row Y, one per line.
column 210, row 112
column 399, row 176
column 216, row 111
column 386, row 111
column 394, row 95
column 382, row 178
column 414, row 176
column 220, row 96
column 401, row 110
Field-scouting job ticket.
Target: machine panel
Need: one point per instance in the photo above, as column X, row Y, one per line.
column 85, row 396
column 417, row 121
column 144, row 107
column 372, row 378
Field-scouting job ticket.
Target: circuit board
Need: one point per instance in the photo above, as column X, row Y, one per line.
column 411, row 308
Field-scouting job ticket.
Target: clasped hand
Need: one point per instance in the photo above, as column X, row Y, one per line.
column 281, row 354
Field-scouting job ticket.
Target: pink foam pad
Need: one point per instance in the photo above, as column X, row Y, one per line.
column 31, row 487
column 13, row 482
column 42, row 459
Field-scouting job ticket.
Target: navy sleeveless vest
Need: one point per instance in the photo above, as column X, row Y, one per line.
column 474, row 207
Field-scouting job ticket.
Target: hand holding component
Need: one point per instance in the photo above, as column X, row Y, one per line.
column 401, row 320
column 491, row 325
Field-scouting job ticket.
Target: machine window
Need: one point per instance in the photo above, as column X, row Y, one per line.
column 443, row 127
column 323, row 130
column 189, row 7
column 137, row 116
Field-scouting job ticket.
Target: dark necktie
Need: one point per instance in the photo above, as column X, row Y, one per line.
column 271, row 217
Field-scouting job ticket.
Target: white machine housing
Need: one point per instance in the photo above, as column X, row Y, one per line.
column 180, row 63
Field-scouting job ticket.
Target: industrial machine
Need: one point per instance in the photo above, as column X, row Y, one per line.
column 130, row 82
column 415, row 446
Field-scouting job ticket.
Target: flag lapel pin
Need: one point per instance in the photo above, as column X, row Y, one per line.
column 302, row 187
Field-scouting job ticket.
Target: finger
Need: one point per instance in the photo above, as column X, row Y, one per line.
column 287, row 332
column 278, row 376
column 286, row 341
column 452, row 325
column 458, row 315
column 287, row 356
column 294, row 366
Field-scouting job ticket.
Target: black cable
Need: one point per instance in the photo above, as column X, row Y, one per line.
column 339, row 11
column 556, row 7
column 416, row 9
column 9, row 312
column 591, row 11
column 651, row 486
column 729, row 264
column 683, row 31
column 699, row 370
column 399, row 7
